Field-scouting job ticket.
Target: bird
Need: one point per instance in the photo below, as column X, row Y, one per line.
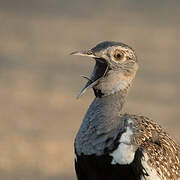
column 111, row 145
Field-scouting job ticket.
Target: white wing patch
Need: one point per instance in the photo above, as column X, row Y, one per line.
column 123, row 155
column 149, row 170
column 125, row 152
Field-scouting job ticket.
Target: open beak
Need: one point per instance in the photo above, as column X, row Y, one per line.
column 99, row 71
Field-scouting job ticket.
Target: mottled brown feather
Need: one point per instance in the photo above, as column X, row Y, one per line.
column 162, row 150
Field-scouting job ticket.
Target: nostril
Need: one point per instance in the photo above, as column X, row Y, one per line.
column 89, row 52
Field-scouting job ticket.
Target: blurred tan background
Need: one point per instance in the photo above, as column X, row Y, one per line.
column 39, row 81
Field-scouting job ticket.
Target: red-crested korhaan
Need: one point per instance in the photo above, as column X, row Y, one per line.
column 115, row 146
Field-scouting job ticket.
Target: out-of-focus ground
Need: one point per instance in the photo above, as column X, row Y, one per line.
column 39, row 81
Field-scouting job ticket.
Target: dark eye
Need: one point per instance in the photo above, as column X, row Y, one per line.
column 118, row 55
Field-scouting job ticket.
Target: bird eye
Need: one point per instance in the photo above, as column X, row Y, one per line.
column 118, row 55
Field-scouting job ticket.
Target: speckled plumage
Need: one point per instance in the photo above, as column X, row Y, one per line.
column 163, row 152
column 110, row 145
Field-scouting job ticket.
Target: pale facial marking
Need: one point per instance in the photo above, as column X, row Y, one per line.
column 111, row 52
column 115, row 82
column 122, row 85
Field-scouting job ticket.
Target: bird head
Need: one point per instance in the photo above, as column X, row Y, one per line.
column 115, row 68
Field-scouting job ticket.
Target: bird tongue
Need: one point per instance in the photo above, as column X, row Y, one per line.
column 99, row 71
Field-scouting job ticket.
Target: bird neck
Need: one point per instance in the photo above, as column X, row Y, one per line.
column 114, row 83
column 102, row 117
column 111, row 104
